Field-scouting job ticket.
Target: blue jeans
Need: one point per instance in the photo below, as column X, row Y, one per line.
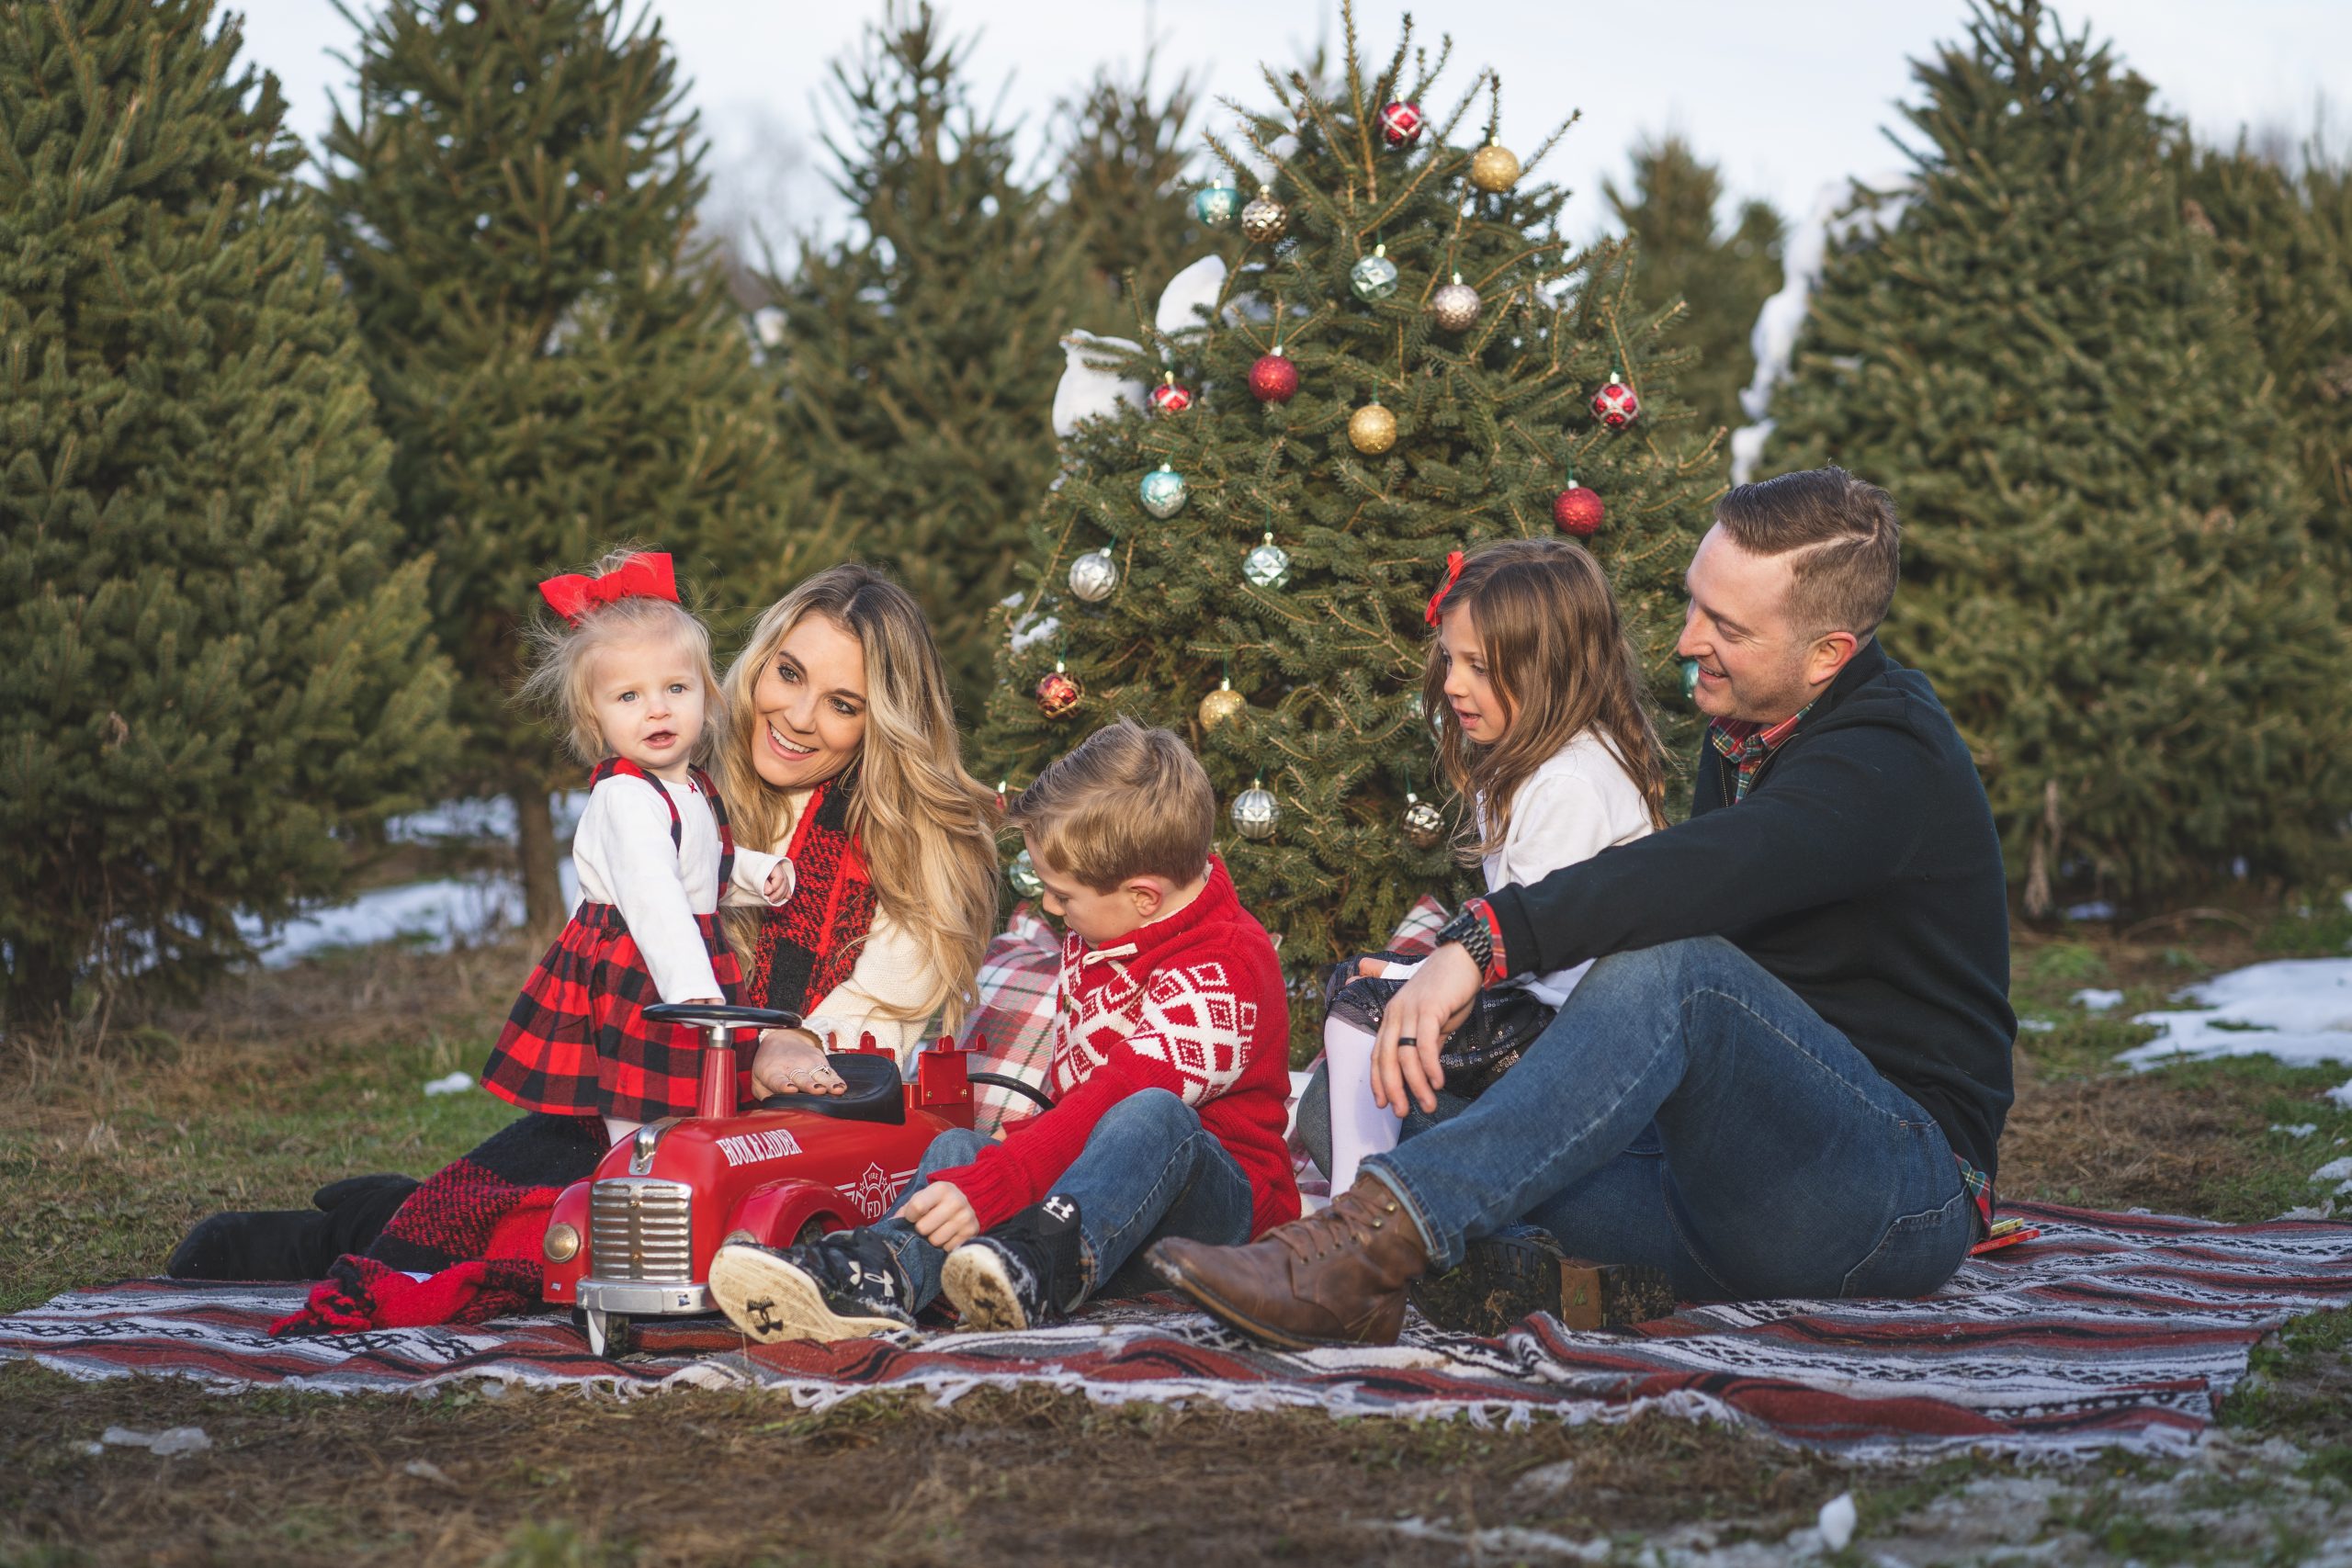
column 1149, row 1170
column 1686, row 1111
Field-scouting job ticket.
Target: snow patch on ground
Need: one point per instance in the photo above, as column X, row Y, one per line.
column 439, row 915
column 2298, row 1010
column 2090, row 998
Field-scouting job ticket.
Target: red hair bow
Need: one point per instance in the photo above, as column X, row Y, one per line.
column 1452, row 575
column 646, row 575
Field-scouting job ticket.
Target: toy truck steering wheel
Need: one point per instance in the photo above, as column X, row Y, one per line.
column 721, row 1015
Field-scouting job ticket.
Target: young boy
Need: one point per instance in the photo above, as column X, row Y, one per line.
column 1170, row 1074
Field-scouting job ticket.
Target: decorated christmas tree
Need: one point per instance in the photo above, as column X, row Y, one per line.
column 918, row 354
column 1404, row 358
column 218, row 677
column 1721, row 279
column 2108, row 568
column 560, row 366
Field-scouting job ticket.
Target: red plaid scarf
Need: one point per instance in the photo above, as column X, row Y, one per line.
column 809, row 946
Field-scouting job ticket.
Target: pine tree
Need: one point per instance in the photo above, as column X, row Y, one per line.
column 918, row 353
column 1489, row 424
column 1124, row 200
column 1722, row 279
column 2287, row 238
column 218, row 675
column 560, row 366
column 2107, row 569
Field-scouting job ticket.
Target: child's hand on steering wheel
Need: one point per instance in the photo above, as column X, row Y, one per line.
column 790, row 1062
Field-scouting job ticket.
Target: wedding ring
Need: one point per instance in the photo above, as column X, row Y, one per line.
column 1406, row 1042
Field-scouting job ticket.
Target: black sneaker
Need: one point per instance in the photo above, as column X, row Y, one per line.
column 842, row 1286
column 1516, row 1273
column 1024, row 1273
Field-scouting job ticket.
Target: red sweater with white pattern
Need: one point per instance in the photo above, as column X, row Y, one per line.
column 1193, row 1004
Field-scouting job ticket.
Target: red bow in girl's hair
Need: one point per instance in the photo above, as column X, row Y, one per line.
column 1452, row 573
column 646, row 575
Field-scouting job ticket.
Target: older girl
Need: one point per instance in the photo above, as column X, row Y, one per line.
column 1536, row 700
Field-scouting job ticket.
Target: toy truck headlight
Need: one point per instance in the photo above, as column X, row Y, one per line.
column 562, row 1244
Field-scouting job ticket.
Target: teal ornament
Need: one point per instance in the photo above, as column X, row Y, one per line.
column 1164, row 493
column 1373, row 277
column 1690, row 679
column 1023, row 876
column 1215, row 205
column 1268, row 566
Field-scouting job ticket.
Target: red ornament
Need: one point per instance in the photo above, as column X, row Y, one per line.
column 1059, row 694
column 1401, row 123
column 1170, row 398
column 1616, row 405
column 1578, row 511
column 1274, row 379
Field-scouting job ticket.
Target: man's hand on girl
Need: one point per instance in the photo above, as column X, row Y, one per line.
column 1415, row 1026
column 790, row 1062
column 942, row 1215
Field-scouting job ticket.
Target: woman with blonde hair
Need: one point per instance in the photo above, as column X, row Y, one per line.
column 839, row 752
column 838, row 749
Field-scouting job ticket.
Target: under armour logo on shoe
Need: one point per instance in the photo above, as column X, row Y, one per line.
column 1060, row 1208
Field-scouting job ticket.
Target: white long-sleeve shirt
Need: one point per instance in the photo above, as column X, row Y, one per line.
column 891, row 972
column 1580, row 802
column 624, row 857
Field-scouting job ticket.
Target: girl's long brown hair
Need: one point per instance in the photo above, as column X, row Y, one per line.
column 1559, row 657
column 927, row 829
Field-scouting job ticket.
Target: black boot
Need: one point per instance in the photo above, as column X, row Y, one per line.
column 290, row 1244
column 1026, row 1272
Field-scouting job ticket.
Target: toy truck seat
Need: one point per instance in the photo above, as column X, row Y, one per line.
column 875, row 1093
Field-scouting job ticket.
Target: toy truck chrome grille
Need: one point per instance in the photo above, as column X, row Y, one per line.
column 641, row 1229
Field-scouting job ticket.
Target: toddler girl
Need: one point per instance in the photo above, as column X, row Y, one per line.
column 628, row 671
column 1535, row 695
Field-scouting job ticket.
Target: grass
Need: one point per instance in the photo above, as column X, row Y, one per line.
column 286, row 1080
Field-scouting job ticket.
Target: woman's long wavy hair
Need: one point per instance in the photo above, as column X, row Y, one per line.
column 1559, row 657
column 927, row 828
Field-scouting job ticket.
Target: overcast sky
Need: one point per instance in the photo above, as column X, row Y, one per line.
column 1785, row 95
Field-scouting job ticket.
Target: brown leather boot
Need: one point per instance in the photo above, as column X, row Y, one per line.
column 1333, row 1278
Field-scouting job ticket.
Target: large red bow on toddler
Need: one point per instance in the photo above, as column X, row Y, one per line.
column 1452, row 574
column 646, row 575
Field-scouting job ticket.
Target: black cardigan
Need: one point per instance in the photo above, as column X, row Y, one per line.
column 1863, row 872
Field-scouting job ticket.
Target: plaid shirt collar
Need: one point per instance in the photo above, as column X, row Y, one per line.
column 1746, row 743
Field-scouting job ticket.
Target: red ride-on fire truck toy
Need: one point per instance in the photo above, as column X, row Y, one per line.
column 636, row 1239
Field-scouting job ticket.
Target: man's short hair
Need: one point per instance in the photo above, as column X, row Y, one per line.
column 1126, row 802
column 1844, row 535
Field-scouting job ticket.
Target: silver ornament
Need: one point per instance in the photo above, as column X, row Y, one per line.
column 1373, row 277
column 1163, row 492
column 1255, row 812
column 1023, row 876
column 1424, row 823
column 1267, row 566
column 1093, row 575
column 1455, row 306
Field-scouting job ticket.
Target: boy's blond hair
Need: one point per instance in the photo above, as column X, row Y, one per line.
column 1126, row 802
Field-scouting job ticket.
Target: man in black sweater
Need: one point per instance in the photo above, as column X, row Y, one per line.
column 1786, row 1073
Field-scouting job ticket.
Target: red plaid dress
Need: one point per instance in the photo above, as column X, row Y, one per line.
column 577, row 1042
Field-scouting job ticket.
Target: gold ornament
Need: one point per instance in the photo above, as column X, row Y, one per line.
column 1455, row 306
column 1265, row 220
column 1221, row 705
column 1372, row 429
column 1494, row 168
